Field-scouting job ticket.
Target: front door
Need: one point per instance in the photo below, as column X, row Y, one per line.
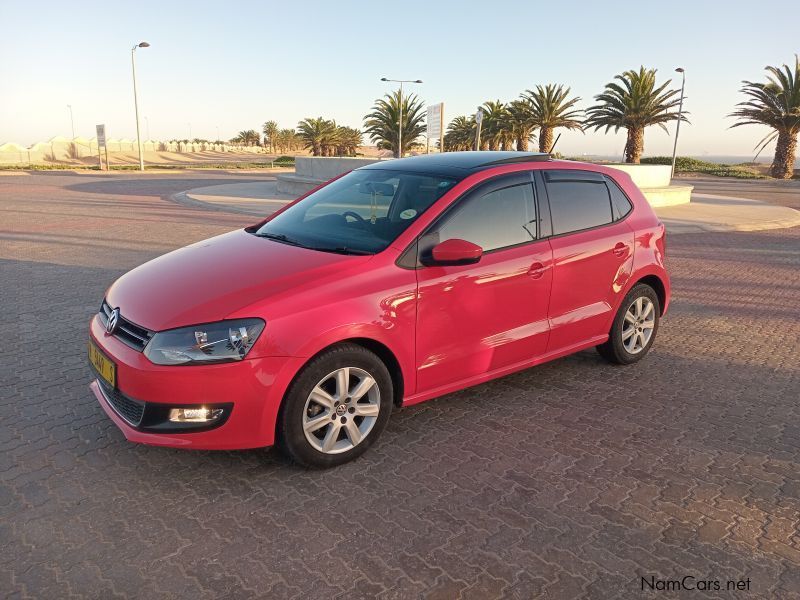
column 474, row 319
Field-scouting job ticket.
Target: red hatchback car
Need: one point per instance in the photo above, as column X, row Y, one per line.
column 393, row 284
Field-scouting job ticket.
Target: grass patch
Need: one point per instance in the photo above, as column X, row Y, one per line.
column 685, row 164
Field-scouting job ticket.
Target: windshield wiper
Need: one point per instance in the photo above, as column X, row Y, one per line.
column 279, row 237
column 340, row 250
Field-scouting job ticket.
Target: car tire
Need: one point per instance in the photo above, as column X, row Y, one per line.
column 320, row 426
column 629, row 341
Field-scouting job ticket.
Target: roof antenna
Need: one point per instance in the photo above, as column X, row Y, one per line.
column 554, row 143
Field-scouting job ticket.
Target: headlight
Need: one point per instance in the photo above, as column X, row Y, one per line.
column 223, row 341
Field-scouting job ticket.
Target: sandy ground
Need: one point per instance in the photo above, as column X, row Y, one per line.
column 190, row 158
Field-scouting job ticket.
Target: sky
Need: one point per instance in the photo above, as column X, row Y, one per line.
column 224, row 67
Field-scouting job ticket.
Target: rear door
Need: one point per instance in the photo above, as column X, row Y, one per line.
column 473, row 319
column 592, row 256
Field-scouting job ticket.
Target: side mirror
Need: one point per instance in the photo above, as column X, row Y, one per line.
column 455, row 252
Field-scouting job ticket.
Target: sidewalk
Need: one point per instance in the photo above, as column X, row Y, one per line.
column 709, row 212
column 706, row 212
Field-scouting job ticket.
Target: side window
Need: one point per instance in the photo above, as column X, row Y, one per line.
column 619, row 201
column 497, row 219
column 577, row 203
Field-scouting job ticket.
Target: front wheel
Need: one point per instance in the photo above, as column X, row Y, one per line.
column 336, row 408
column 635, row 326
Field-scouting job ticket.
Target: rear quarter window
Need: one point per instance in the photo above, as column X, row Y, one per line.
column 619, row 201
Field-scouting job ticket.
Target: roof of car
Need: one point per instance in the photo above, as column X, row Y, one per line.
column 456, row 164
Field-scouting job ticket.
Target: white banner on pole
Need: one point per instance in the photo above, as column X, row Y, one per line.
column 434, row 120
column 101, row 135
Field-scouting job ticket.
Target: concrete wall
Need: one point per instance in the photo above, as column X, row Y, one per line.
column 654, row 181
column 323, row 169
column 311, row 171
column 64, row 150
column 647, row 176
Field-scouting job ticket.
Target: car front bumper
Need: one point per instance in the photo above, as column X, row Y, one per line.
column 251, row 389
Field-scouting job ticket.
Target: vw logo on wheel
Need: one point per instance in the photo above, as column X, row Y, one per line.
column 113, row 320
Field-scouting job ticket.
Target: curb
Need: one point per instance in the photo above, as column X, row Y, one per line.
column 676, row 225
column 184, row 199
column 683, row 228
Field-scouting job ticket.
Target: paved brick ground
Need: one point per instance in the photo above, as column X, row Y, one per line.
column 573, row 479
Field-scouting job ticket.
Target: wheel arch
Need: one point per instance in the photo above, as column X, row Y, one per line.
column 379, row 348
column 388, row 358
column 655, row 282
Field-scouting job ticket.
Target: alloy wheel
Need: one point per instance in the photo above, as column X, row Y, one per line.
column 341, row 410
column 638, row 325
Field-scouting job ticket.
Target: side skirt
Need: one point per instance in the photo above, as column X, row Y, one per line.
column 502, row 371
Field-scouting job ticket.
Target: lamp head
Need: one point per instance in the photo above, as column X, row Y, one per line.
column 418, row 81
column 143, row 45
column 679, row 70
column 384, row 79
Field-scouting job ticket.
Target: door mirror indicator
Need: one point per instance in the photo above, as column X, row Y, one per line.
column 454, row 252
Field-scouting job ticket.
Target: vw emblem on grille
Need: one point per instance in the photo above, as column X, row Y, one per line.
column 113, row 320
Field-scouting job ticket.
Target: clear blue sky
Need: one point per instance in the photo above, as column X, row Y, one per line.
column 235, row 65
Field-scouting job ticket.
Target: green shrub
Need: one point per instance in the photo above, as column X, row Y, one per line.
column 686, row 164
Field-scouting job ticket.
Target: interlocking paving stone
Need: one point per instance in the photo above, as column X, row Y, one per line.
column 573, row 479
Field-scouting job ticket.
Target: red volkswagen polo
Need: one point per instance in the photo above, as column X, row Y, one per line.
column 393, row 284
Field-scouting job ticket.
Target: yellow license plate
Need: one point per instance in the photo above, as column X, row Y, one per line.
column 104, row 366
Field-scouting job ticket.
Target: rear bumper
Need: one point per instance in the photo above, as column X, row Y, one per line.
column 253, row 387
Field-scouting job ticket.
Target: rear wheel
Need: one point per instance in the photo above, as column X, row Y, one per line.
column 635, row 326
column 336, row 408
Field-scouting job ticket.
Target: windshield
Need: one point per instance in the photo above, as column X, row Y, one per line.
column 360, row 213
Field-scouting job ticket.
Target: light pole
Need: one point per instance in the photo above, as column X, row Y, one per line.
column 71, row 120
column 400, row 130
column 136, row 101
column 680, row 114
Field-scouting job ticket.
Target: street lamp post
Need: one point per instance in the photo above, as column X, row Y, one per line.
column 680, row 114
column 400, row 129
column 71, row 120
column 136, row 101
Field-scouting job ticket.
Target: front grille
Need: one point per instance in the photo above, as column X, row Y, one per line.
column 129, row 409
column 127, row 332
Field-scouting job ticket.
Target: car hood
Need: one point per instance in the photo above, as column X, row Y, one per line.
column 212, row 279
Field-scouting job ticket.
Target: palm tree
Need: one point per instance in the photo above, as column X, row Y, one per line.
column 248, row 137
column 287, row 140
column 633, row 104
column 348, row 141
column 316, row 134
column 551, row 107
column 460, row 134
column 494, row 129
column 775, row 104
column 382, row 124
column 520, row 123
column 270, row 129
